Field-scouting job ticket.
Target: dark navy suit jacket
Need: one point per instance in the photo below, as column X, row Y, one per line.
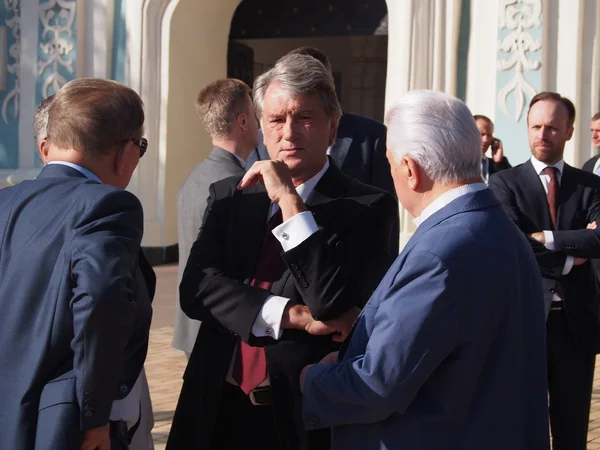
column 75, row 306
column 437, row 360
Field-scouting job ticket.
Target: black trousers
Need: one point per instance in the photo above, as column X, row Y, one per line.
column 570, row 380
column 242, row 425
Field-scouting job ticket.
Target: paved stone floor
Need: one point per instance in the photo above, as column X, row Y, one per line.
column 165, row 365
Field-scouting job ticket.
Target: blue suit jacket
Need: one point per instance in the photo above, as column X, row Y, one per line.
column 437, row 359
column 75, row 307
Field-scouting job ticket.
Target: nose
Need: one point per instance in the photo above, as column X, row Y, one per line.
column 288, row 129
column 545, row 132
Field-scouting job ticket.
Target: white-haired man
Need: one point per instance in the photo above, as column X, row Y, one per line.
column 436, row 359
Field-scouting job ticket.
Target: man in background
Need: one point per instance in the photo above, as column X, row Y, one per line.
column 553, row 203
column 226, row 110
column 592, row 164
column 498, row 161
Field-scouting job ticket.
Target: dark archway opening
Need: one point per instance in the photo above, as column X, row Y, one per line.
column 353, row 34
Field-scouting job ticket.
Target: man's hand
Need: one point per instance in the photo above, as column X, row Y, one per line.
column 97, row 439
column 299, row 317
column 277, row 180
column 538, row 236
column 592, row 226
column 343, row 324
column 498, row 154
column 579, row 261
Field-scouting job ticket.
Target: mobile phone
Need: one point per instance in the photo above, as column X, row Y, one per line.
column 495, row 144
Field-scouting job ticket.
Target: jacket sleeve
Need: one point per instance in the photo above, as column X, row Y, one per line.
column 551, row 263
column 206, row 292
column 416, row 326
column 582, row 243
column 105, row 251
column 334, row 272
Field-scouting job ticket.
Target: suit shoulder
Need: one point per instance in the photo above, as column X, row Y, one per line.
column 356, row 122
column 507, row 175
column 371, row 194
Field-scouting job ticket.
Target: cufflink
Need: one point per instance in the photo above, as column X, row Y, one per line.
column 269, row 331
column 285, row 236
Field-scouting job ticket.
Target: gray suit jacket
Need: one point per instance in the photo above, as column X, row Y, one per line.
column 191, row 203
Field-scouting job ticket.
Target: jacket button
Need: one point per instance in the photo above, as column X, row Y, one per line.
column 551, row 289
column 88, row 414
column 123, row 388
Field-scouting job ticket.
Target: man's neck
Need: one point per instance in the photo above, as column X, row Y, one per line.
column 437, row 191
column 233, row 146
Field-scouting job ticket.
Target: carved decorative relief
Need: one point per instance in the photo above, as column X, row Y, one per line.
column 519, row 16
column 14, row 56
column 56, row 41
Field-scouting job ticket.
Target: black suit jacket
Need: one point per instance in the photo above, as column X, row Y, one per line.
column 76, row 307
column 590, row 163
column 335, row 269
column 524, row 199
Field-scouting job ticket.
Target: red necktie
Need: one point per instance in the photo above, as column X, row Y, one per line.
column 250, row 365
column 552, row 195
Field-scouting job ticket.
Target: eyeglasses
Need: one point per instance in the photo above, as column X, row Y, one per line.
column 141, row 143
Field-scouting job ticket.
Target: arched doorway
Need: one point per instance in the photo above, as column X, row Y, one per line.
column 353, row 33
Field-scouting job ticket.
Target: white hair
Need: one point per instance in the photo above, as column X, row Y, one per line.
column 438, row 131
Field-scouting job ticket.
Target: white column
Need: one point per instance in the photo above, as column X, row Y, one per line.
column 422, row 54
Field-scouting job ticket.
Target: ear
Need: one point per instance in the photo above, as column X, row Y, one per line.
column 570, row 133
column 242, row 121
column 43, row 149
column 333, row 131
column 413, row 172
column 123, row 157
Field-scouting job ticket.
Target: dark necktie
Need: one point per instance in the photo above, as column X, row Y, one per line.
column 552, row 195
column 250, row 365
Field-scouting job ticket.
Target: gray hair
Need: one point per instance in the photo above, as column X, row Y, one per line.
column 40, row 119
column 438, row 131
column 298, row 74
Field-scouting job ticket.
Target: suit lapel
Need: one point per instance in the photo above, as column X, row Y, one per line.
column 567, row 205
column 250, row 224
column 219, row 155
column 339, row 150
column 536, row 197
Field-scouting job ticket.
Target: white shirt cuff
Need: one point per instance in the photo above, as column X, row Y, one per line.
column 568, row 265
column 268, row 321
column 295, row 230
column 549, row 237
column 128, row 409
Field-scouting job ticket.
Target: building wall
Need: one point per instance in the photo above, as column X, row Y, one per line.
column 168, row 49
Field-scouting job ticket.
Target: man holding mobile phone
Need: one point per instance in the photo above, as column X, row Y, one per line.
column 498, row 161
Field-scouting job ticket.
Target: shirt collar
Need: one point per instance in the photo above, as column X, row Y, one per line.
column 306, row 188
column 446, row 198
column 240, row 159
column 82, row 170
column 539, row 166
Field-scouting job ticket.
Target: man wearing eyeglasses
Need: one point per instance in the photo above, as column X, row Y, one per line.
column 75, row 289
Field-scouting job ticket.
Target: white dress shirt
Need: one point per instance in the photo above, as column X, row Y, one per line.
column 597, row 167
column 446, row 198
column 127, row 409
column 545, row 180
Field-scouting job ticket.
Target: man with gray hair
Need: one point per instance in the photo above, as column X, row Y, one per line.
column 40, row 127
column 286, row 257
column 437, row 360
